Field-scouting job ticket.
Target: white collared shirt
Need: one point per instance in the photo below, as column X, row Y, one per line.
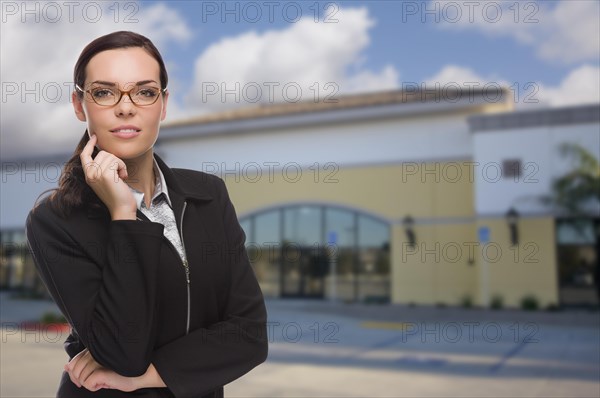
column 161, row 209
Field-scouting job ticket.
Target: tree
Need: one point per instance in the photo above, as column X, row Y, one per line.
column 577, row 195
column 579, row 190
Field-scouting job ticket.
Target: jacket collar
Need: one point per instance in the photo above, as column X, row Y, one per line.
column 178, row 184
column 161, row 188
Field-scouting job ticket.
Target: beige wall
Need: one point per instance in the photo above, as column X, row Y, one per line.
column 528, row 268
column 437, row 270
column 389, row 191
column 446, row 264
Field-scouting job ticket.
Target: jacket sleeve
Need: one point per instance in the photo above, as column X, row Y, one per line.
column 111, row 306
column 208, row 358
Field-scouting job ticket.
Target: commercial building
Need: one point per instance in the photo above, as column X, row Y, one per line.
column 391, row 196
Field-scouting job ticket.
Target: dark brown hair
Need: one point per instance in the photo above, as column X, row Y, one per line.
column 73, row 191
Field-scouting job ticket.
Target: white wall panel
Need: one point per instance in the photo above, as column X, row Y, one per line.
column 538, row 150
column 345, row 144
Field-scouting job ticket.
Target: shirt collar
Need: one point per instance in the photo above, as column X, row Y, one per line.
column 161, row 187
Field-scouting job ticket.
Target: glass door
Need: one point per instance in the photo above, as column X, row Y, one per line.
column 304, row 262
column 577, row 263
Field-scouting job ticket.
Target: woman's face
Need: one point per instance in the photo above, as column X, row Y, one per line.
column 125, row 68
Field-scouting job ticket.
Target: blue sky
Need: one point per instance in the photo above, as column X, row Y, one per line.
column 552, row 46
column 416, row 48
column 399, row 37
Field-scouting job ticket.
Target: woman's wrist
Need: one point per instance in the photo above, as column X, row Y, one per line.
column 150, row 379
column 123, row 215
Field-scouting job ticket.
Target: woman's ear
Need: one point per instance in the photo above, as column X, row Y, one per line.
column 164, row 108
column 78, row 106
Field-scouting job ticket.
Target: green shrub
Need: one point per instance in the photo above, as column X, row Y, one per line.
column 530, row 303
column 497, row 302
column 51, row 317
column 466, row 301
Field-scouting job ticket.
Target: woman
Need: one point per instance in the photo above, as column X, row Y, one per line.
column 146, row 262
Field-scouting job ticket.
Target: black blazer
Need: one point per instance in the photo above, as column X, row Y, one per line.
column 123, row 288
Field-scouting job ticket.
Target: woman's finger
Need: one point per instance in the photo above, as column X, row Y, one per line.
column 96, row 381
column 121, row 168
column 107, row 161
column 86, row 372
column 90, row 368
column 91, row 168
column 86, row 153
column 75, row 359
column 71, row 376
column 81, row 365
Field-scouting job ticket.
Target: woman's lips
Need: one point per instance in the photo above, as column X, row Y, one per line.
column 126, row 132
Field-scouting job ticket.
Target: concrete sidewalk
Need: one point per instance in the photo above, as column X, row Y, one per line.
column 334, row 349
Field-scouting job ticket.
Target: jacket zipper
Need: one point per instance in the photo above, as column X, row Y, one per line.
column 186, row 267
column 185, row 264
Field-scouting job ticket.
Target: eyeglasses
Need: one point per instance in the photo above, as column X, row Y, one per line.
column 110, row 96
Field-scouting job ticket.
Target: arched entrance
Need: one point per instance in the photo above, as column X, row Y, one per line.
column 319, row 251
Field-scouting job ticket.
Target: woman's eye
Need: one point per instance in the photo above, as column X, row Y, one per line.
column 147, row 92
column 102, row 93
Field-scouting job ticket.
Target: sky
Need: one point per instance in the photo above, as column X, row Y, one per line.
column 226, row 54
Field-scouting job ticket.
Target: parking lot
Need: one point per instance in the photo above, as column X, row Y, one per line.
column 334, row 349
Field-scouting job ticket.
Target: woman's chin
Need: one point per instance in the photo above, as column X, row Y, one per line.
column 128, row 152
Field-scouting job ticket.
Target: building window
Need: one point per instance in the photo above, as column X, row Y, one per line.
column 511, row 168
column 17, row 270
column 319, row 252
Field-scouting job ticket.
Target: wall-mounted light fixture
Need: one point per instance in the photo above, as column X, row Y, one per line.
column 409, row 223
column 512, row 218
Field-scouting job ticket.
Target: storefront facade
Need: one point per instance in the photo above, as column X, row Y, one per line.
column 386, row 197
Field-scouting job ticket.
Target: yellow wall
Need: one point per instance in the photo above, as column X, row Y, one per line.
column 440, row 197
column 437, row 270
column 390, row 191
column 528, row 268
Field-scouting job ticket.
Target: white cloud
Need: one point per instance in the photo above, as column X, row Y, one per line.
column 572, row 32
column 37, row 56
column 299, row 62
column 580, row 86
column 567, row 31
column 367, row 80
column 463, row 76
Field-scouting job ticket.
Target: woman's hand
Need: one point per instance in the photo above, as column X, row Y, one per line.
column 85, row 371
column 105, row 175
column 105, row 378
column 81, row 367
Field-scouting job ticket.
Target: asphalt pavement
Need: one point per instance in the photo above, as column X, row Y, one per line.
column 323, row 349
